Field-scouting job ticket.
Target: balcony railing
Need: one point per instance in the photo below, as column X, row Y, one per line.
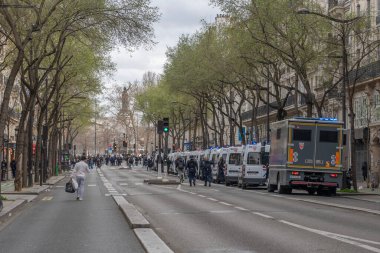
column 368, row 72
column 262, row 110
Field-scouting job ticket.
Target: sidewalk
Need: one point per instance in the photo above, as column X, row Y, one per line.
column 15, row 199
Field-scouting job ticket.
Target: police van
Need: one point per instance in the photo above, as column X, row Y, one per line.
column 233, row 165
column 253, row 166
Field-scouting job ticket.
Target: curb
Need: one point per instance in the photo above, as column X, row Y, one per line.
column 60, row 178
column 134, row 217
column 7, row 211
column 353, row 208
column 151, row 242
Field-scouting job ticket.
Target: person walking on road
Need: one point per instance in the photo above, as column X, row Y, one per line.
column 180, row 164
column 79, row 173
column 207, row 171
column 191, row 167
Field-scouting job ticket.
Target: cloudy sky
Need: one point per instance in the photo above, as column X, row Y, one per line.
column 178, row 17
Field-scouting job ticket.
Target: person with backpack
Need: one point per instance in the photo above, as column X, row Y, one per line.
column 191, row 167
column 180, row 165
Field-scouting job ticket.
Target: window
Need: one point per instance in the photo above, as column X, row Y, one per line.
column 253, row 158
column 328, row 136
column 234, row 158
column 301, row 135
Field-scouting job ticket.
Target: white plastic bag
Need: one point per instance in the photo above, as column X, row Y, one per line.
column 75, row 183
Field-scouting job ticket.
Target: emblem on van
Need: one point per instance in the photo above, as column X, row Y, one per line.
column 301, row 145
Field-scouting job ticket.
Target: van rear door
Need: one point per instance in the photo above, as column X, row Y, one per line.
column 301, row 144
column 329, row 143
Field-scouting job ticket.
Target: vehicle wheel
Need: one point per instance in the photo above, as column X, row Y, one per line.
column 280, row 188
column 227, row 183
column 311, row 191
column 271, row 187
column 320, row 192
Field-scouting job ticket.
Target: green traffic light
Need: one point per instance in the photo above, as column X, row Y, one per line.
column 166, row 129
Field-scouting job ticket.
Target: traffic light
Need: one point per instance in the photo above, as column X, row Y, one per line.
column 165, row 125
column 114, row 146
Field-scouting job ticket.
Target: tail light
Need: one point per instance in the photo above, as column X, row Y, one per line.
column 295, row 173
column 334, row 175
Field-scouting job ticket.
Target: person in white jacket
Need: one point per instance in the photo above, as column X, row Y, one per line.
column 79, row 173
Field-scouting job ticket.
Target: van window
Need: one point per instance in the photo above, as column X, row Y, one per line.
column 234, row 157
column 301, row 135
column 253, row 158
column 328, row 136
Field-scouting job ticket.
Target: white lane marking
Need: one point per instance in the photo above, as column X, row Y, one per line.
column 47, row 198
column 214, row 190
column 224, row 203
column 336, row 236
column 241, row 208
column 90, row 185
column 263, row 215
column 123, row 184
column 202, row 196
column 194, row 193
column 113, row 191
column 179, row 187
column 223, row 211
column 60, row 186
column 138, row 183
column 212, row 199
column 107, row 194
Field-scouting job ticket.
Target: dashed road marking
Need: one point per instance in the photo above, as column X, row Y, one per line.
column 123, row 184
column 263, row 215
column 91, row 185
column 224, row 203
column 47, row 198
column 241, row 208
column 138, row 183
column 202, row 196
column 212, row 199
column 60, row 186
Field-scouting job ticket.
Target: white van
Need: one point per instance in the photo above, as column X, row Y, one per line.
column 233, row 165
column 253, row 171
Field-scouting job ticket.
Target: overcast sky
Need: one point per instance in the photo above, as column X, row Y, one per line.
column 178, row 17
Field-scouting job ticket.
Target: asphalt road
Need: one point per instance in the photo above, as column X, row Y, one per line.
column 227, row 219
column 56, row 222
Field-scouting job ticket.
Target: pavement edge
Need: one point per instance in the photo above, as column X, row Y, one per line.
column 148, row 238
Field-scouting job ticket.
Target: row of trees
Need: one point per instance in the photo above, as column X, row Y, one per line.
column 263, row 49
column 58, row 51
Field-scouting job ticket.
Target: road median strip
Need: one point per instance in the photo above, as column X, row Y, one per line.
column 151, row 242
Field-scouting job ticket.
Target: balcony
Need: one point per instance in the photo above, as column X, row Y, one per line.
column 262, row 110
column 366, row 73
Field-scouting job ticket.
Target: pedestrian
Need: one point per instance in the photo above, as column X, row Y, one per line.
column 79, row 173
column 191, row 167
column 221, row 167
column 364, row 171
column 3, row 170
column 180, row 165
column 207, row 171
column 13, row 168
